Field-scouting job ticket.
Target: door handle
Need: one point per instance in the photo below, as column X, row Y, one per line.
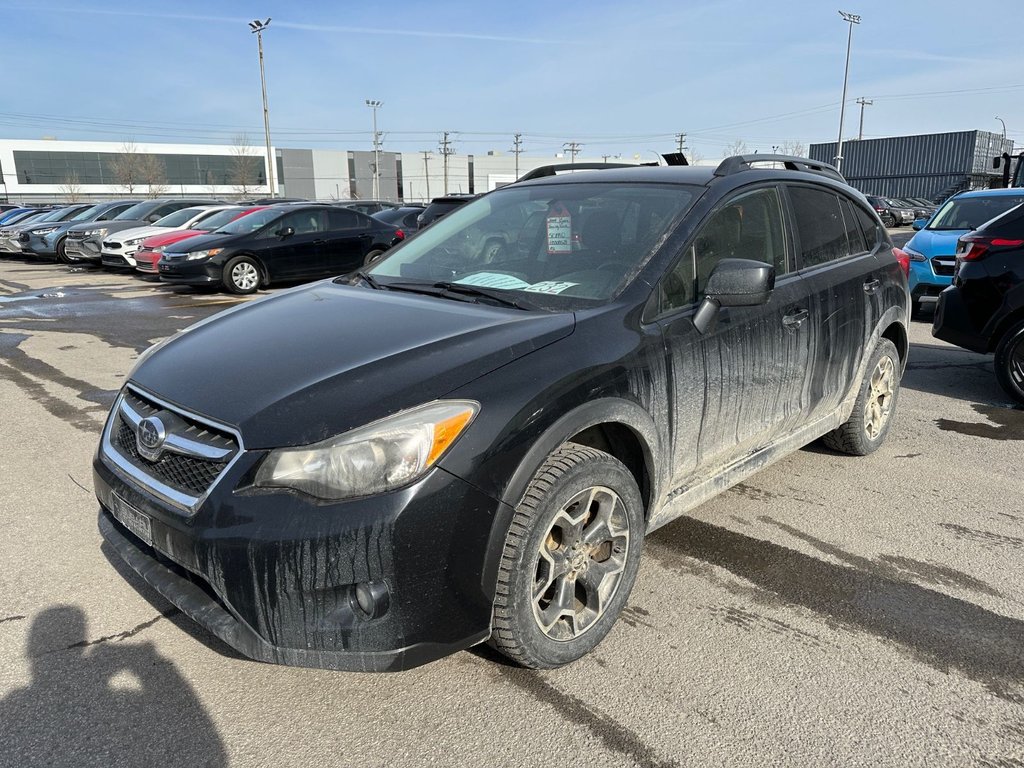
column 319, row 241
column 795, row 318
column 872, row 285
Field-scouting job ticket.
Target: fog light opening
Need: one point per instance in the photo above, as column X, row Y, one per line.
column 370, row 599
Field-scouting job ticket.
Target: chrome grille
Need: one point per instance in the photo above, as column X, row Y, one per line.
column 192, row 456
column 943, row 265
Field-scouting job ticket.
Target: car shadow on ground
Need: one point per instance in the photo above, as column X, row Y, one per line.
column 953, row 372
column 102, row 702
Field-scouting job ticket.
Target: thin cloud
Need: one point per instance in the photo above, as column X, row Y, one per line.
column 390, row 31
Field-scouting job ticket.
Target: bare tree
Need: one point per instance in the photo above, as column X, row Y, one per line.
column 793, row 147
column 245, row 165
column 694, row 157
column 738, row 147
column 126, row 167
column 71, row 188
column 153, row 174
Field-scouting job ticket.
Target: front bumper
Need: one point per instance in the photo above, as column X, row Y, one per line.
column 40, row 245
column 146, row 261
column 89, row 249
column 190, row 272
column 273, row 574
column 10, row 245
column 114, row 254
column 931, row 277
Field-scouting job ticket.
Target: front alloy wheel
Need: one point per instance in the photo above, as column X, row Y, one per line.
column 880, row 397
column 570, row 558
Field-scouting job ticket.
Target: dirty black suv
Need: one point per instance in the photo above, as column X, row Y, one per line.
column 449, row 447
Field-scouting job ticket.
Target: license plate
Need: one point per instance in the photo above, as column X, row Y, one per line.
column 131, row 518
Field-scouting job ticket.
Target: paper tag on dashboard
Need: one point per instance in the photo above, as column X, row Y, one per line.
column 559, row 234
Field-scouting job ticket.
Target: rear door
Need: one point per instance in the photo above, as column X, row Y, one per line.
column 348, row 240
column 742, row 383
column 838, row 265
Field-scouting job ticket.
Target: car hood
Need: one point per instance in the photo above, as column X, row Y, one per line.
column 137, row 232
column 174, row 236
column 313, row 362
column 110, row 226
column 204, row 240
column 936, row 242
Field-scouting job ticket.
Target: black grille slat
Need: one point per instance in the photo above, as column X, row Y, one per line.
column 943, row 269
column 188, row 474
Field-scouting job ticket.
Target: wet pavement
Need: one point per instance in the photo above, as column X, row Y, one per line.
column 830, row 610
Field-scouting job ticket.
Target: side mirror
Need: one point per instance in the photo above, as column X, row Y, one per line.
column 153, row 217
column 734, row 283
column 285, row 232
column 919, row 224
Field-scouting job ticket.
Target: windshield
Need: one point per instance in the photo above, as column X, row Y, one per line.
column 137, row 211
column 215, row 220
column 88, row 213
column 22, row 217
column 971, row 212
column 178, row 218
column 54, row 215
column 557, row 241
column 250, row 223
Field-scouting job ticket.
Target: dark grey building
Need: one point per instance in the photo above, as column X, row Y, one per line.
column 933, row 165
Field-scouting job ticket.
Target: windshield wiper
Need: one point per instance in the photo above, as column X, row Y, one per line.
column 369, row 279
column 460, row 292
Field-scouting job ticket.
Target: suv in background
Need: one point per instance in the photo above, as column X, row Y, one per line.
column 450, row 446
column 50, row 242
column 983, row 310
column 892, row 212
column 19, row 234
column 441, row 206
column 932, row 249
column 85, row 241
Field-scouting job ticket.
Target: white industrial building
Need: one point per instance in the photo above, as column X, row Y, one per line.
column 42, row 170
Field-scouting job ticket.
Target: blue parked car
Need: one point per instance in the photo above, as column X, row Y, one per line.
column 932, row 250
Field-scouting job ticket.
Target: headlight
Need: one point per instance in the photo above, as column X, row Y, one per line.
column 195, row 255
column 136, row 241
column 44, row 231
column 379, row 457
column 158, row 249
column 91, row 232
column 914, row 255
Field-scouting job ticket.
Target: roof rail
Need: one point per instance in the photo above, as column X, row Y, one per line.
column 551, row 170
column 739, row 163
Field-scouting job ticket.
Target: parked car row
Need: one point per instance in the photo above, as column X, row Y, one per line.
column 209, row 243
column 897, row 211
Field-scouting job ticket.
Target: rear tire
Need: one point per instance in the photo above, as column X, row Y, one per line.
column 888, row 220
column 242, row 275
column 570, row 558
column 372, row 256
column 875, row 407
column 1009, row 363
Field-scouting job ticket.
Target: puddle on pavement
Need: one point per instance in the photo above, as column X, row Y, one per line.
column 53, row 293
column 1007, row 423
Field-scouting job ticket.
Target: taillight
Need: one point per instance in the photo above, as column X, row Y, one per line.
column 974, row 247
column 903, row 259
column 399, row 234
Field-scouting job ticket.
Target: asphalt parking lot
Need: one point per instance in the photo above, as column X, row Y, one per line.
column 831, row 610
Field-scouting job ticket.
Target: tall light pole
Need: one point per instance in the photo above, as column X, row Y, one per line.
column 256, row 27
column 851, row 19
column 1002, row 147
column 375, row 105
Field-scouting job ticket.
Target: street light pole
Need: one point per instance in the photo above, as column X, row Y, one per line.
column 851, row 19
column 1002, row 147
column 374, row 105
column 256, row 26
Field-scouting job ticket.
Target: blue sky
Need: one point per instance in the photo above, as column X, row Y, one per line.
column 617, row 77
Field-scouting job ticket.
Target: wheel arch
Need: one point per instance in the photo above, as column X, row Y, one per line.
column 260, row 265
column 1003, row 327
column 896, row 332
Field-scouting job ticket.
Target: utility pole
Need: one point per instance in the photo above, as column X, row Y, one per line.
column 446, row 150
column 256, row 27
column 426, row 169
column 374, row 104
column 863, row 103
column 573, row 148
column 851, row 19
column 681, row 142
column 517, row 147
column 605, row 157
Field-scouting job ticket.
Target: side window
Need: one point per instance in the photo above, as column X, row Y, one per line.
column 820, row 225
column 747, row 227
column 854, row 234
column 163, row 210
column 868, row 224
column 342, row 218
column 112, row 213
column 303, row 222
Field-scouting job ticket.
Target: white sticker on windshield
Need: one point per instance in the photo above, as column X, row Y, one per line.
column 560, row 234
column 549, row 286
column 494, row 280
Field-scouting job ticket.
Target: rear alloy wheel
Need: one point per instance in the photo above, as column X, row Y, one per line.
column 1010, row 363
column 888, row 220
column 241, row 275
column 570, row 559
column 873, row 410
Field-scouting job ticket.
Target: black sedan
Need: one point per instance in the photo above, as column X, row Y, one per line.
column 279, row 244
column 405, row 217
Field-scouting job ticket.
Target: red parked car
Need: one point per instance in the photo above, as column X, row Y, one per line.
column 149, row 254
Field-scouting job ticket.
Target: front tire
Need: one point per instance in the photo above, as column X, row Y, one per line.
column 875, row 407
column 888, row 220
column 62, row 254
column 242, row 275
column 570, row 558
column 372, row 256
column 1009, row 363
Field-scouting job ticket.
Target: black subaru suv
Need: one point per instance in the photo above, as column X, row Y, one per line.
column 280, row 243
column 983, row 310
column 448, row 447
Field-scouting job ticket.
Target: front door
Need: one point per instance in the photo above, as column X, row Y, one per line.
column 743, row 382
column 299, row 255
